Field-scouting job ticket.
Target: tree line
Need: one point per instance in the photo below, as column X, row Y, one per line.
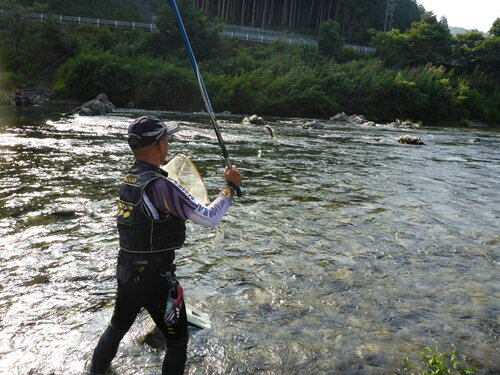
column 354, row 17
column 421, row 73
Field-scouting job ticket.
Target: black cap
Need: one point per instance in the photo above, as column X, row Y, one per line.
column 146, row 130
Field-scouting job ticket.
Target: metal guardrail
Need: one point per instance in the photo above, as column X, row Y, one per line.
column 361, row 49
column 94, row 21
column 266, row 38
column 255, row 34
column 252, row 34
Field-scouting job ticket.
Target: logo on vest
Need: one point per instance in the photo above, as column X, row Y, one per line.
column 124, row 210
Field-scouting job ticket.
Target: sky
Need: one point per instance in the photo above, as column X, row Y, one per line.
column 469, row 14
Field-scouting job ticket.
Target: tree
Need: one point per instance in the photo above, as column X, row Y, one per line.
column 330, row 42
column 426, row 41
column 444, row 21
column 393, row 47
column 495, row 29
column 203, row 33
column 464, row 45
column 486, row 55
column 405, row 13
column 430, row 40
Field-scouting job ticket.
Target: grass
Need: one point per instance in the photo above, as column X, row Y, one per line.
column 434, row 362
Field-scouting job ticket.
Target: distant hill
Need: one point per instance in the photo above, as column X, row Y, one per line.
column 454, row 30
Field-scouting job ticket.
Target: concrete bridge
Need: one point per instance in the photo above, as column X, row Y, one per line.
column 245, row 33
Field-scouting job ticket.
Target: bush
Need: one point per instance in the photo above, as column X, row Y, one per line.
column 165, row 85
column 85, row 76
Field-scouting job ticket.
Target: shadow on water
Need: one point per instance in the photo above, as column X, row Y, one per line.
column 347, row 252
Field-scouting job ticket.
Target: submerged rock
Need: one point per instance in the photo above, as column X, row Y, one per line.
column 402, row 124
column 253, row 120
column 149, row 334
column 64, row 213
column 410, row 140
column 312, row 125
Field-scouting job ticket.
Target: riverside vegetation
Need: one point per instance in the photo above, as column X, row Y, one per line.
column 422, row 73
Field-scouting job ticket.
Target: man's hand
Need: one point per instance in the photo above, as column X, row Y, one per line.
column 233, row 175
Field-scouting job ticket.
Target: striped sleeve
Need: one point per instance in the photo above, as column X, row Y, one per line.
column 167, row 197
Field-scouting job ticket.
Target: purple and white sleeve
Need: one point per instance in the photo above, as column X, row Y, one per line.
column 169, row 197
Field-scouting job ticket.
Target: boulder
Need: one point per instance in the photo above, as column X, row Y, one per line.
column 341, row 117
column 254, row 120
column 37, row 95
column 358, row 119
column 409, row 124
column 369, row 123
column 402, row 124
column 96, row 107
column 410, row 140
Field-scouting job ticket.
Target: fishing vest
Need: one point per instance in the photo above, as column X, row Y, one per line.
column 138, row 232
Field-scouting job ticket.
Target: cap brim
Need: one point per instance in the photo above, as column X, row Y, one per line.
column 172, row 127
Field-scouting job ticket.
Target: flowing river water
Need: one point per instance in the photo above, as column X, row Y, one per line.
column 347, row 252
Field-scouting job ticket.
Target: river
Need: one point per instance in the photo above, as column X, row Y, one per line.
column 347, row 252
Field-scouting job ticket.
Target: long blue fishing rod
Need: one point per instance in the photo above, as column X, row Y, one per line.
column 201, row 84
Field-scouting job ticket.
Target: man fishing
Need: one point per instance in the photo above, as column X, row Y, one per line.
column 152, row 211
column 18, row 97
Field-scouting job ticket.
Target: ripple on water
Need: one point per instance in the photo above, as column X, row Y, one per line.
column 347, row 252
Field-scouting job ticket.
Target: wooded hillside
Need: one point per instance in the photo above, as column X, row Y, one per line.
column 354, row 16
column 421, row 73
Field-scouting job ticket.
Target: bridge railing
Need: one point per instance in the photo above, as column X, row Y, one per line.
column 252, row 34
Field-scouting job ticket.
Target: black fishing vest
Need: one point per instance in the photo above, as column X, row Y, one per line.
column 138, row 232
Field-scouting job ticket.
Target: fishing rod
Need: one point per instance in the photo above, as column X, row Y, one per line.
column 201, row 84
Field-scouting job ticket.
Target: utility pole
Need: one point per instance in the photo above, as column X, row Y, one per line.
column 389, row 13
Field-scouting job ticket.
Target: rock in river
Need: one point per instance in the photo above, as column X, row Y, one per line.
column 341, row 117
column 312, row 125
column 96, row 107
column 410, row 139
column 254, row 120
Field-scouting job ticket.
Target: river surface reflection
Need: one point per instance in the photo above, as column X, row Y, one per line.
column 347, row 252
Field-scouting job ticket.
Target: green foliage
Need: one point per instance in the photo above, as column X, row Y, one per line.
column 87, row 75
column 112, row 9
column 495, row 28
column 405, row 13
column 203, row 33
column 329, row 41
column 486, row 56
column 393, row 47
column 436, row 363
column 464, row 47
column 28, row 48
column 426, row 41
column 151, row 69
column 164, row 85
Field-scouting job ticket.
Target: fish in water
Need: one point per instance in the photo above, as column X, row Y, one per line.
column 270, row 130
